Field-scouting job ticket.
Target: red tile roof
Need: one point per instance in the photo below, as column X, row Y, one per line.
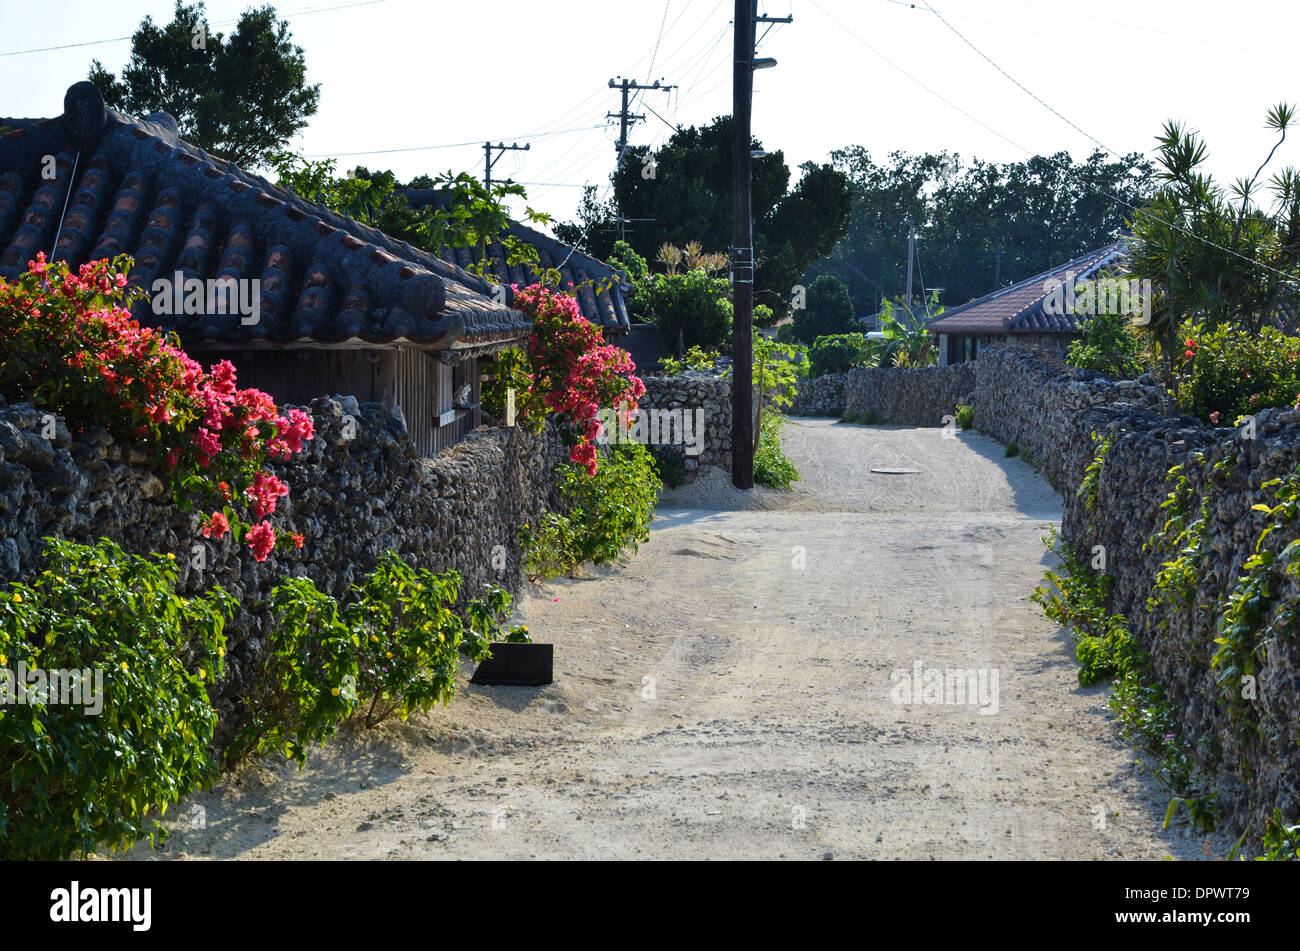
column 1019, row 308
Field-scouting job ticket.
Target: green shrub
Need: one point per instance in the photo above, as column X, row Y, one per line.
column 548, row 547
column 785, row 333
column 764, row 316
column 965, row 415
column 72, row 781
column 604, row 514
column 612, row 510
column 695, row 358
column 772, row 467
column 1111, row 345
column 690, row 309
column 392, row 649
column 838, row 353
column 1229, row 373
column 1012, row 449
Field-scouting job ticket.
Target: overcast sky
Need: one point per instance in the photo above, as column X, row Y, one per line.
column 406, row 74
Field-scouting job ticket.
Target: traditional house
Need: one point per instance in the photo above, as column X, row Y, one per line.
column 1038, row 311
column 303, row 301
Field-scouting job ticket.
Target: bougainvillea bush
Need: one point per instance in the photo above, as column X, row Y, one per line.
column 566, row 369
column 70, row 346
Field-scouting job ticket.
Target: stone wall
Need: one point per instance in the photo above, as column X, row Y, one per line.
column 920, row 396
column 820, row 396
column 1053, row 414
column 353, row 498
column 689, row 392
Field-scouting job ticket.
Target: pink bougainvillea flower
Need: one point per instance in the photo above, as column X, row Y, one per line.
column 261, row 539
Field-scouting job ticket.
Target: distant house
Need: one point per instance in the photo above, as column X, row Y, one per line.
column 1024, row 314
column 340, row 307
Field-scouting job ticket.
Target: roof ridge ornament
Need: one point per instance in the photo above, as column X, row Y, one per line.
column 84, row 114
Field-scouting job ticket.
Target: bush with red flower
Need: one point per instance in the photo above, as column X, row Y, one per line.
column 70, row 346
column 1228, row 372
column 566, row 368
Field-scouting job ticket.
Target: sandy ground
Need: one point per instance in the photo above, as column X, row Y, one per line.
column 727, row 693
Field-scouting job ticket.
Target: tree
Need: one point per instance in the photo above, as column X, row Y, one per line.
column 684, row 188
column 241, row 97
column 829, row 310
column 1213, row 254
column 1039, row 213
column 471, row 214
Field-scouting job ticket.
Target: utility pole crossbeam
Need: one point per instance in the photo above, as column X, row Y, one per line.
column 489, row 159
column 625, row 118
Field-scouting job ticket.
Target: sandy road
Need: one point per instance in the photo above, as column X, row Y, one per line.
column 733, row 692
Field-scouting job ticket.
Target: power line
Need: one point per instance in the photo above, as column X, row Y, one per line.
column 452, row 145
column 659, row 39
column 226, row 22
column 1105, row 148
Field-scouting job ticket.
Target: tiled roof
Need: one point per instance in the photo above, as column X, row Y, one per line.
column 607, row 309
column 1019, row 308
column 133, row 186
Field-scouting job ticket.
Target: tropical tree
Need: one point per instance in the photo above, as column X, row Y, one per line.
column 1215, row 255
column 241, row 97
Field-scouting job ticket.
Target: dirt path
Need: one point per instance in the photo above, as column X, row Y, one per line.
column 713, row 699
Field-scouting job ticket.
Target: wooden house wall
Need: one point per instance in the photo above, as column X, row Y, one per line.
column 415, row 380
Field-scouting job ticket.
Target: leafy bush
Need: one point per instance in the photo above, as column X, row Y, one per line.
column 71, row 346
column 1012, row 449
column 691, row 309
column 695, row 358
column 838, row 353
column 391, row 650
column 603, row 514
column 73, row 780
column 612, row 509
column 965, row 415
column 1075, row 597
column 548, row 548
column 828, row 310
column 785, row 333
column 1111, row 345
column 764, row 316
column 772, row 467
column 1229, row 372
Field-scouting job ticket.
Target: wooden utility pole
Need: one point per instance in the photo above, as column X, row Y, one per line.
column 489, row 159
column 625, row 118
column 742, row 251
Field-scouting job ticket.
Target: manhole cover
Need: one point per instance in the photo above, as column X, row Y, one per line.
column 884, row 471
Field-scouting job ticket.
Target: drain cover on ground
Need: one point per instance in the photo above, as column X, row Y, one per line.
column 884, row 471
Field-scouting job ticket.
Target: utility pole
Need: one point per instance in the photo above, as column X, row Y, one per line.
column 742, row 240
column 997, row 269
column 911, row 253
column 626, row 118
column 489, row 160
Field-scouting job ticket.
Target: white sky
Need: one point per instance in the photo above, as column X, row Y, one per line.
column 397, row 74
